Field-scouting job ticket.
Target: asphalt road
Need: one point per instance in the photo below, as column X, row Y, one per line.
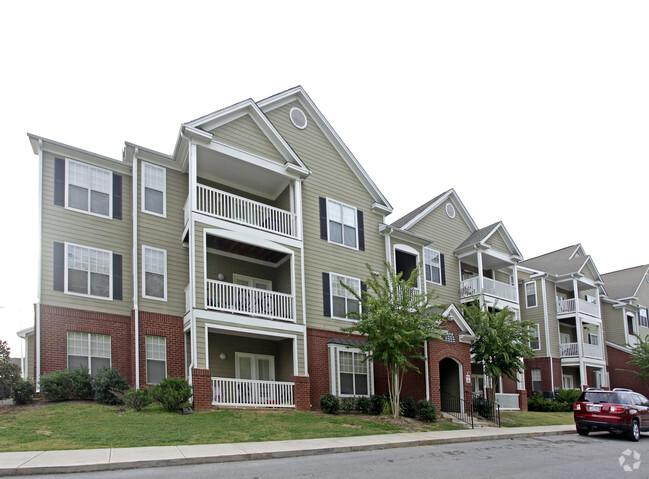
column 600, row 455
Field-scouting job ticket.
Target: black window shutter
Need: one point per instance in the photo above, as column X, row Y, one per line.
column 326, row 295
column 117, row 196
column 117, row 276
column 59, row 181
column 323, row 218
column 363, row 289
column 442, row 266
column 59, row 266
column 361, row 231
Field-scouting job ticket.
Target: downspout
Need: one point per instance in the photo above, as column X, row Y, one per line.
column 547, row 332
column 136, row 314
column 40, row 266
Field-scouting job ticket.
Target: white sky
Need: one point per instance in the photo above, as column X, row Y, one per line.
column 537, row 113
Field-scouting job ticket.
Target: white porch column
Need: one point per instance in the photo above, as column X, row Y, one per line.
column 515, row 274
column 580, row 337
column 192, row 252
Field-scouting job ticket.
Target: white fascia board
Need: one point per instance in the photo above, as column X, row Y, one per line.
column 640, row 283
column 515, row 252
column 24, row 332
column 463, row 211
column 404, row 235
column 456, row 315
column 381, row 209
column 151, row 156
column 618, row 347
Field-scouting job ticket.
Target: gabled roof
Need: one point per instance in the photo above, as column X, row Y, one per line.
column 566, row 261
column 454, row 313
column 298, row 94
column 422, row 211
column 625, row 283
column 482, row 235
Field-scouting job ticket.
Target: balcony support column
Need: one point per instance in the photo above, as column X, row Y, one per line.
column 515, row 277
column 480, row 278
column 580, row 338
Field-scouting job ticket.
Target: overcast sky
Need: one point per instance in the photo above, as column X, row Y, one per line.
column 537, row 113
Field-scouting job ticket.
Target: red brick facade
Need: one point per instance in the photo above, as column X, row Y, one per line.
column 302, row 392
column 546, row 376
column 618, row 360
column 202, row 387
column 170, row 327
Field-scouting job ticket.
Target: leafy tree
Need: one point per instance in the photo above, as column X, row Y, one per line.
column 4, row 351
column 9, row 372
column 640, row 359
column 502, row 342
column 396, row 320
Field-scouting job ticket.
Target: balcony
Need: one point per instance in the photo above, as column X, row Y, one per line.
column 470, row 288
column 566, row 307
column 233, row 298
column 572, row 350
column 250, row 392
column 230, row 207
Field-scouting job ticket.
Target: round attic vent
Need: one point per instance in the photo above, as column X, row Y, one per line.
column 298, row 118
column 450, row 210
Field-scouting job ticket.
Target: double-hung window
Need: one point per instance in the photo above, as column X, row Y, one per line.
column 530, row 294
column 535, row 341
column 342, row 224
column 432, row 266
column 156, row 359
column 643, row 318
column 537, row 385
column 153, row 189
column 343, row 301
column 88, row 350
column 88, row 188
column 88, row 271
column 154, row 273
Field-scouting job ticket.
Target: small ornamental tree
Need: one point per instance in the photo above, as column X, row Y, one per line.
column 396, row 320
column 9, row 372
column 640, row 359
column 502, row 342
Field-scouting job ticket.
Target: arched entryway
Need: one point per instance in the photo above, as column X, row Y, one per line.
column 450, row 384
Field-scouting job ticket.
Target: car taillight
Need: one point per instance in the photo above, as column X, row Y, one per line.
column 577, row 407
column 617, row 409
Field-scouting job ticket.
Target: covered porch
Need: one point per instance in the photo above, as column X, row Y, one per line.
column 491, row 276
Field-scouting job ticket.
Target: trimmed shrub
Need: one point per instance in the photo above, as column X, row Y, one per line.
column 568, row 396
column 81, row 383
column 364, row 405
column 9, row 374
column 483, row 407
column 408, row 408
column 138, row 398
column 376, row 404
column 22, row 391
column 347, row 404
column 172, row 393
column 329, row 404
column 426, row 411
column 537, row 403
column 57, row 385
column 105, row 380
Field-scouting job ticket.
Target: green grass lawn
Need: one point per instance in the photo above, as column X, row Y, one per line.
column 534, row 418
column 90, row 425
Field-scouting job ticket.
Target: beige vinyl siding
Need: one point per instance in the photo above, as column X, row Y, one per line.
column 244, row 133
column 553, row 322
column 613, row 322
column 166, row 234
column 447, row 234
column 330, row 177
column 63, row 225
column 30, row 347
column 534, row 315
column 503, row 277
column 586, row 271
column 497, row 243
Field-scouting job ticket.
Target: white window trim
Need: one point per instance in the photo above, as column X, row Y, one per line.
column 538, row 336
column 253, row 365
column 144, row 295
column 567, row 378
column 334, row 358
column 536, row 296
column 331, row 296
column 640, row 316
column 440, row 266
column 540, row 379
column 89, row 336
column 355, row 225
column 253, row 280
column 88, row 212
column 110, row 274
column 164, row 190
column 146, row 353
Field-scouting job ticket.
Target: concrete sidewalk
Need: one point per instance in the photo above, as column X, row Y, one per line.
column 84, row 460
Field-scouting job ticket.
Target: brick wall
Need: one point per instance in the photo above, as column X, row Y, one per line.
column 623, row 379
column 170, row 327
column 302, row 392
column 546, row 380
column 202, row 387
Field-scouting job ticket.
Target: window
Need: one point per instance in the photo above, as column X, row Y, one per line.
column 530, row 294
column 259, row 367
column 535, row 342
column 629, row 324
column 88, row 350
column 342, row 223
column 154, row 273
column 432, row 266
column 643, row 318
column 343, row 301
column 537, row 385
column 567, row 381
column 88, row 188
column 156, row 359
column 353, row 373
column 88, row 271
column 153, row 189
column 593, row 339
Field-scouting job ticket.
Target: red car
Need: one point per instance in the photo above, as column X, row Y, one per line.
column 619, row 411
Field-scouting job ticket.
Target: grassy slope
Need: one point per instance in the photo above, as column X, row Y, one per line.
column 534, row 418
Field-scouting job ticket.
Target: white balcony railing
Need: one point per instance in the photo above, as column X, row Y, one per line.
column 569, row 306
column 569, row 350
column 593, row 351
column 471, row 287
column 507, row 401
column 249, row 392
column 247, row 212
column 234, row 298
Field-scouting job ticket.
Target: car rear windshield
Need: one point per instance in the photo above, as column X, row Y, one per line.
column 603, row 397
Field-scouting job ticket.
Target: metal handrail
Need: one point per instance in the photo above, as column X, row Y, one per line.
column 491, row 409
column 457, row 407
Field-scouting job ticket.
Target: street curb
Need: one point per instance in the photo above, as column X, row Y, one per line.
column 22, row 470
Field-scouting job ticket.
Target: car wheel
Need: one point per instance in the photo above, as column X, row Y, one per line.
column 582, row 431
column 634, row 433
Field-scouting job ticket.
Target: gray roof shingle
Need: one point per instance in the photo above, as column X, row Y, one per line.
column 624, row 283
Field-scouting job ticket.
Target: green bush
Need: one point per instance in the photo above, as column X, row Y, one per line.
column 408, row 408
column 57, row 385
column 537, row 403
column 138, row 398
column 172, row 393
column 426, row 411
column 105, row 380
column 483, row 407
column 569, row 396
column 363, row 404
column 329, row 404
column 81, row 383
column 376, row 404
column 22, row 391
column 9, row 374
column 348, row 404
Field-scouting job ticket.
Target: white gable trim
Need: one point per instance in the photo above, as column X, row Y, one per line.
column 506, row 237
column 463, row 211
column 640, row 283
column 454, row 313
